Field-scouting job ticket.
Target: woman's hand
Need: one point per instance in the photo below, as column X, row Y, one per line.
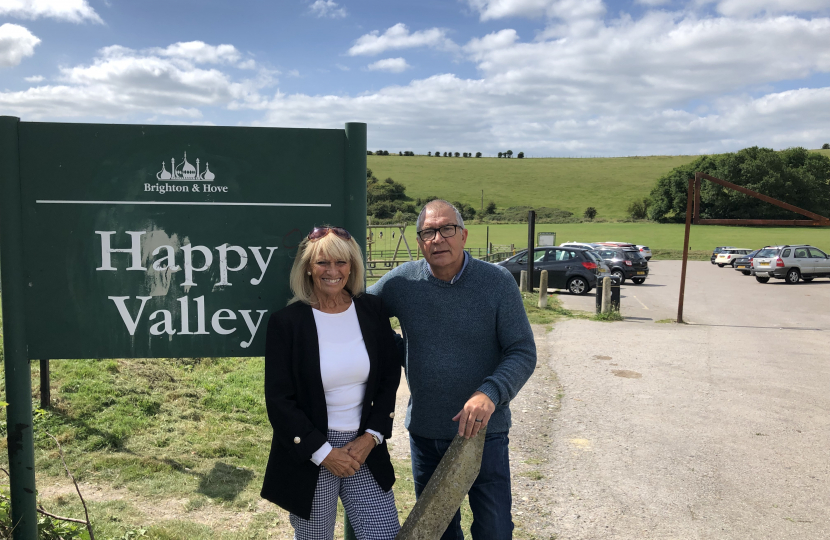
column 360, row 447
column 340, row 463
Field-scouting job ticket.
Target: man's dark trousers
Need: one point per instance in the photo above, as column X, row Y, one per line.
column 490, row 497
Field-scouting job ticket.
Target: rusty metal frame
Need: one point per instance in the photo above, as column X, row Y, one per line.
column 693, row 217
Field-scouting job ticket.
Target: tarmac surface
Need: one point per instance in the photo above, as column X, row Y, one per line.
column 715, row 429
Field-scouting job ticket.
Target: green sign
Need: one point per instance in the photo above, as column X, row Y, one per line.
column 125, row 241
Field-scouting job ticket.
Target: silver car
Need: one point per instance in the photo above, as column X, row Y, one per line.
column 791, row 263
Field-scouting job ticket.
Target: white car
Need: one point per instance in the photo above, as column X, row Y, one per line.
column 730, row 255
column 583, row 245
column 645, row 251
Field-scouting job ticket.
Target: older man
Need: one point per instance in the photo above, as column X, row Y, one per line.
column 469, row 349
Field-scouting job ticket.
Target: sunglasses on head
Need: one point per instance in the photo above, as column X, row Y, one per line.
column 319, row 232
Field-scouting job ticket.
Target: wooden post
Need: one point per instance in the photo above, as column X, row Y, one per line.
column 523, row 281
column 606, row 295
column 45, row 394
column 543, row 290
column 488, row 240
column 689, row 202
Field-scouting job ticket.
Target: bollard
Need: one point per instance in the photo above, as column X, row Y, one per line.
column 606, row 294
column 543, row 290
column 523, row 281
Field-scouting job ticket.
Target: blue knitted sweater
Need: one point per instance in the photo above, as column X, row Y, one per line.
column 459, row 338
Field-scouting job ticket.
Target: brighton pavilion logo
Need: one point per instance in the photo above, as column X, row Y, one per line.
column 184, row 171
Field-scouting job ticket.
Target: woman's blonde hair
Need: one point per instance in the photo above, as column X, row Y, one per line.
column 330, row 245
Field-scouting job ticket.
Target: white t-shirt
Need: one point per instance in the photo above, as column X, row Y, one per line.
column 344, row 366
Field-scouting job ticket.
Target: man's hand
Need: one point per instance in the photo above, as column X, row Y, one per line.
column 360, row 447
column 340, row 463
column 475, row 414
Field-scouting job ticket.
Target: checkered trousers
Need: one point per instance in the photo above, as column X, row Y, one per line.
column 371, row 511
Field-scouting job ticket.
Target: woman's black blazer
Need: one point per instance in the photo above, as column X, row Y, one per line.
column 296, row 401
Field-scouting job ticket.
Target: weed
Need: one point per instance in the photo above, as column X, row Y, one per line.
column 611, row 316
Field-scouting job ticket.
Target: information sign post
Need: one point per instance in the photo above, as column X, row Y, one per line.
column 131, row 241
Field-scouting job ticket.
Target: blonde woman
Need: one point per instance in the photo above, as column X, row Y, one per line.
column 331, row 373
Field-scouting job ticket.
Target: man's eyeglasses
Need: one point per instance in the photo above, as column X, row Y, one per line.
column 447, row 231
column 319, row 232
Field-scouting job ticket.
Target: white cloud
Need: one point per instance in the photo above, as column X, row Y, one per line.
column 393, row 65
column 399, row 37
column 200, row 52
column 630, row 87
column 747, row 8
column 563, row 9
column 68, row 10
column 327, row 8
column 653, row 2
column 16, row 42
column 34, row 78
column 121, row 82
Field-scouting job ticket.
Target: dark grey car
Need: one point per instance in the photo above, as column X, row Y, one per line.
column 625, row 264
column 568, row 268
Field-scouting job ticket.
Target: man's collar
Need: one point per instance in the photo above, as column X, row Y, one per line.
column 458, row 275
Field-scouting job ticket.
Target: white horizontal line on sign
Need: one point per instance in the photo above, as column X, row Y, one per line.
column 189, row 203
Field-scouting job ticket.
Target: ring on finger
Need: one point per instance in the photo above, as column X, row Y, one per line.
column 479, row 420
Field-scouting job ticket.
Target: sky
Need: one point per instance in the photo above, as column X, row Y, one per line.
column 560, row 78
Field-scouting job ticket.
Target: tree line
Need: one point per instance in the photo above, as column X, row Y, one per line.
column 795, row 176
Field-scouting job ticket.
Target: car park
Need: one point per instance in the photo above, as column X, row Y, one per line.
column 645, row 251
column 718, row 250
column 729, row 256
column 744, row 264
column 792, row 263
column 568, row 268
column 625, row 264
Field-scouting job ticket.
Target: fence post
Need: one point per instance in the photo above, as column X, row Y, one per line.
column 543, row 290
column 45, row 391
column 606, row 294
column 523, row 281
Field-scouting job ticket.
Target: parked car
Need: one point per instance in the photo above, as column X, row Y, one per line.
column 581, row 245
column 568, row 268
column 729, row 255
column 603, row 269
column 624, row 245
column 645, row 251
column 744, row 264
column 625, row 264
column 718, row 250
column 792, row 263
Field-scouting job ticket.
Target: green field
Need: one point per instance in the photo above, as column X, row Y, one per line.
column 656, row 236
column 608, row 184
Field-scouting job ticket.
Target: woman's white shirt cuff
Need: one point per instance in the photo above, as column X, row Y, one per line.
column 376, row 434
column 321, row 454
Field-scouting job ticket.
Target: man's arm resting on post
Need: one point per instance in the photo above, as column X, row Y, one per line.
column 518, row 362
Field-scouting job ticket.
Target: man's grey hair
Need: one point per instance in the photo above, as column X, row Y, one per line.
column 431, row 205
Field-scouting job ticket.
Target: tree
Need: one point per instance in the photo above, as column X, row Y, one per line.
column 384, row 199
column 478, row 154
column 490, row 209
column 500, row 154
column 368, row 152
column 521, row 155
column 379, row 152
column 400, row 153
column 639, row 209
column 467, row 211
column 590, row 213
column 509, row 153
column 445, row 154
column 457, row 154
column 429, row 154
column 825, row 146
column 437, row 154
column 386, row 152
column 796, row 176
